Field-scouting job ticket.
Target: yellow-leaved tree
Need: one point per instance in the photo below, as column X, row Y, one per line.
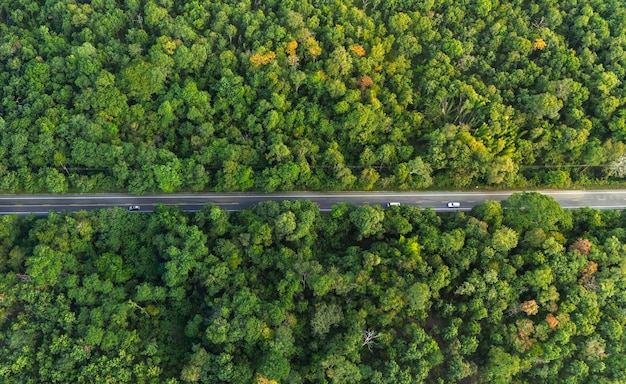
column 313, row 46
column 291, row 47
column 539, row 44
column 261, row 59
column 260, row 379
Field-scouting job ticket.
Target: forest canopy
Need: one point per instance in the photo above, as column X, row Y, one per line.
column 229, row 95
column 283, row 293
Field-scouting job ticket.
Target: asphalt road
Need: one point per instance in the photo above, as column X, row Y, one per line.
column 42, row 204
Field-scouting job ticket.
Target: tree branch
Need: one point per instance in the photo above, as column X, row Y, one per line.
column 369, row 338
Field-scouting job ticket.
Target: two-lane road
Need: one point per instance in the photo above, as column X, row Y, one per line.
column 42, row 204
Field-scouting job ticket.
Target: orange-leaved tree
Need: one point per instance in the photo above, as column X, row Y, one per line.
column 552, row 321
column 358, row 50
column 365, row 81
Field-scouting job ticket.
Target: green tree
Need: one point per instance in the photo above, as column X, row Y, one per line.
column 326, row 316
column 368, row 220
column 419, row 297
column 531, row 210
column 504, row 239
column 501, row 366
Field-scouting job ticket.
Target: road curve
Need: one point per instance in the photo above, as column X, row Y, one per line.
column 42, row 204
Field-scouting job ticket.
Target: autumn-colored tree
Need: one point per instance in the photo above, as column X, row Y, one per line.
column 260, row 379
column 539, row 44
column 582, row 246
column 590, row 269
column 313, row 47
column 258, row 59
column 525, row 329
column 587, row 279
column 358, row 50
column 530, row 307
column 291, row 47
column 365, row 81
column 552, row 321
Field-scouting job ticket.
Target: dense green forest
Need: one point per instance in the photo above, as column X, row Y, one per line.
column 521, row 291
column 167, row 95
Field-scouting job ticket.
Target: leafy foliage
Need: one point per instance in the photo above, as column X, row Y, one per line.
column 284, row 293
column 171, row 95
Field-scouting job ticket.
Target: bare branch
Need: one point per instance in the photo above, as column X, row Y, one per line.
column 541, row 23
column 139, row 21
column 369, row 338
column 24, row 277
column 444, row 106
column 142, row 309
column 618, row 167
